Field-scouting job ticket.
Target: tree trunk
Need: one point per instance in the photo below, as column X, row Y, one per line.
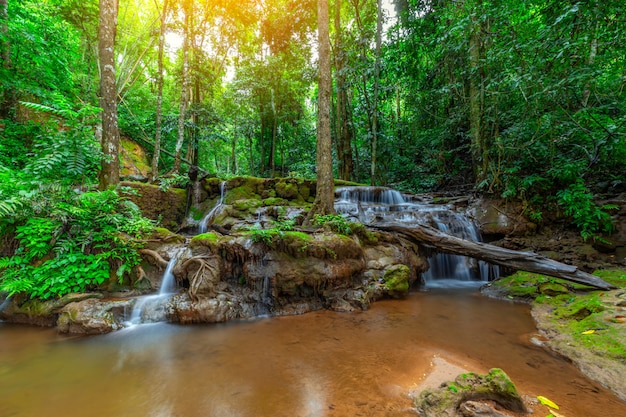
column 110, row 167
column 159, row 103
column 479, row 150
column 184, row 90
column 526, row 261
column 325, row 194
column 343, row 132
column 379, row 30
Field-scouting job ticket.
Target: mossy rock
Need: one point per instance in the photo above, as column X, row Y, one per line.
column 396, row 279
column 209, row 240
column 166, row 236
column 275, row 201
column 168, row 207
column 495, row 386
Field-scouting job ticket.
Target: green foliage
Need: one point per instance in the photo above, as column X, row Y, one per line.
column 586, row 215
column 180, row 181
column 269, row 236
column 69, row 154
column 73, row 244
column 337, row 224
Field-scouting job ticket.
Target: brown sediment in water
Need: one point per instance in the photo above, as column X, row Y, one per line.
column 319, row 364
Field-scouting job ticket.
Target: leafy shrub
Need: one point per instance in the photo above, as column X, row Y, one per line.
column 337, row 224
column 76, row 245
column 586, row 215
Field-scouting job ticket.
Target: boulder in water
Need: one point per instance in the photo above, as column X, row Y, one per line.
column 454, row 398
column 93, row 316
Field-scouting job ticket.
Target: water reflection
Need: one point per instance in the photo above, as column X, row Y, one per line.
column 319, row 364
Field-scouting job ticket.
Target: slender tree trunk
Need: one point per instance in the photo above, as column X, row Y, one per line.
column 159, row 104
column 593, row 51
column 343, row 130
column 325, row 194
column 184, row 90
column 110, row 166
column 233, row 152
column 272, row 161
column 480, row 159
column 379, row 30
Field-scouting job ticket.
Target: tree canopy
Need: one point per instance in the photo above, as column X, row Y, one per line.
column 522, row 100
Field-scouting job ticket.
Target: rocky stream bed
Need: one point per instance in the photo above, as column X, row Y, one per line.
column 233, row 270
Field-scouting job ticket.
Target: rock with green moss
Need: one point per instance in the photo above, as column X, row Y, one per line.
column 396, row 279
column 168, row 207
column 93, row 316
column 470, row 387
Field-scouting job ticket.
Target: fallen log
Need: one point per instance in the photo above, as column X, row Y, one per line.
column 525, row 261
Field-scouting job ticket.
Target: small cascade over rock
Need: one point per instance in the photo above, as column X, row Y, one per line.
column 208, row 219
column 151, row 308
column 371, row 205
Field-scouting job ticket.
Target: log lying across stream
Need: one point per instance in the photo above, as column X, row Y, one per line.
column 525, row 261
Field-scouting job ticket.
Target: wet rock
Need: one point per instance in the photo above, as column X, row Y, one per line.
column 93, row 316
column 446, row 401
column 478, row 409
column 396, row 281
column 39, row 312
column 182, row 309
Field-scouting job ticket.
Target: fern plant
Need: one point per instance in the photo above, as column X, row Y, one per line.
column 586, row 215
column 76, row 245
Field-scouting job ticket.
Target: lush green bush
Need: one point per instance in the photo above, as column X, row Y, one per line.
column 70, row 244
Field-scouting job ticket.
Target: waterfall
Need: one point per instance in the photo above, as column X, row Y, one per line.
column 207, row 220
column 380, row 204
column 151, row 308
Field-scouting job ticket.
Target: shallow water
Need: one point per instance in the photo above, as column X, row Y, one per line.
column 319, row 364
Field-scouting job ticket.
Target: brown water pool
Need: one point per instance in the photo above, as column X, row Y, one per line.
column 318, row 364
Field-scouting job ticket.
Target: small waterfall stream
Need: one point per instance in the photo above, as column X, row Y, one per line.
column 384, row 205
column 207, row 220
column 151, row 308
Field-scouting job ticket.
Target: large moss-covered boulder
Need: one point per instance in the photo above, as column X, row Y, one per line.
column 93, row 316
column 396, row 280
column 452, row 396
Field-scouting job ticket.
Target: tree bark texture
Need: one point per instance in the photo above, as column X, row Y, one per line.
column 343, row 142
column 374, row 143
column 526, row 261
column 159, row 103
column 184, row 91
column 107, row 30
column 325, row 194
column 479, row 149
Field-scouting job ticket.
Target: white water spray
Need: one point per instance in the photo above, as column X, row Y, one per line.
column 207, row 220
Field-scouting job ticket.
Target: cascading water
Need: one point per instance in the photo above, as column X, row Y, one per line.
column 151, row 308
column 380, row 204
column 206, row 221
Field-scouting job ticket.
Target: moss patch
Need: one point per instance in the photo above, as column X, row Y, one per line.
column 396, row 280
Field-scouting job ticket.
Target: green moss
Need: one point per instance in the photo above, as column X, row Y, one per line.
column 196, row 213
column 165, row 235
column 396, row 280
column 275, row 201
column 616, row 277
column 246, row 206
column 496, row 385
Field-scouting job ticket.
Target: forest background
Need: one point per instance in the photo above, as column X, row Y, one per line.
column 523, row 100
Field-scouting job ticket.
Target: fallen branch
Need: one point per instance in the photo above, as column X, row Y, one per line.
column 525, row 261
